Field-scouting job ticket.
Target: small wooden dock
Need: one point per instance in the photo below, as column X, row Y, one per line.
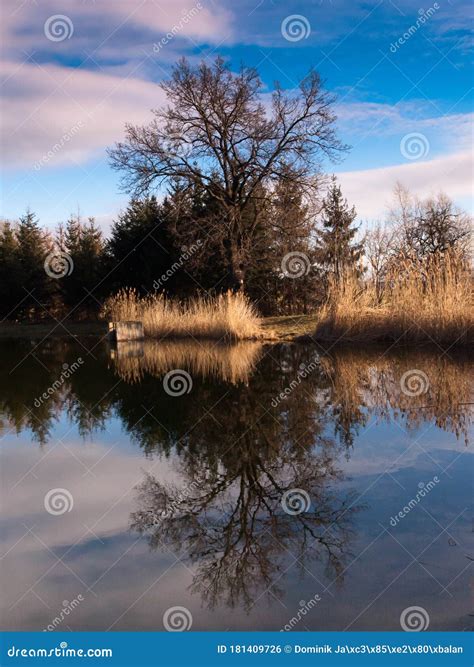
column 121, row 331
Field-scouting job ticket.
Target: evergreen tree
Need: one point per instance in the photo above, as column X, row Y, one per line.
column 190, row 212
column 84, row 246
column 337, row 250
column 10, row 290
column 293, row 225
column 37, row 287
column 140, row 249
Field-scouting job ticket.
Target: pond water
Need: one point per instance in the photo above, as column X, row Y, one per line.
column 254, row 487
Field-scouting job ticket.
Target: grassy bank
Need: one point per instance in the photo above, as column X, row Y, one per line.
column 272, row 329
column 418, row 302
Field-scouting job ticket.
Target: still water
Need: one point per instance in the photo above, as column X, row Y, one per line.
column 255, row 487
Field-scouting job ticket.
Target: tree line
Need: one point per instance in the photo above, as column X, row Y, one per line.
column 227, row 192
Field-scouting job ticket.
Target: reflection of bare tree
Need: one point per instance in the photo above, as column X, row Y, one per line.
column 229, row 521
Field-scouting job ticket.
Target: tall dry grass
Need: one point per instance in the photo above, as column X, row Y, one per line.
column 419, row 385
column 420, row 301
column 228, row 362
column 228, row 316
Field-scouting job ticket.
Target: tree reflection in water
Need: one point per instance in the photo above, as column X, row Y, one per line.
column 233, row 527
column 237, row 444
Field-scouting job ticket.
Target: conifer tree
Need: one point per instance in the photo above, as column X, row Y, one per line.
column 337, row 249
column 84, row 246
column 36, row 286
column 10, row 290
column 140, row 249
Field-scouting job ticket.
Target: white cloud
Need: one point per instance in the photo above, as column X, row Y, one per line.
column 112, row 28
column 371, row 190
column 51, row 100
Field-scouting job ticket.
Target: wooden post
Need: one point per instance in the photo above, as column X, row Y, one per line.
column 119, row 331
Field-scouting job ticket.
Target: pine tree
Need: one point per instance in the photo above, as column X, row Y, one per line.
column 10, row 290
column 337, row 250
column 33, row 247
column 84, row 245
column 140, row 249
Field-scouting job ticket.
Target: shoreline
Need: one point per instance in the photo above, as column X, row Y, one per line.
column 281, row 329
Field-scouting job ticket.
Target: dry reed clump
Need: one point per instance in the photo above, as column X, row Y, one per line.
column 228, row 362
column 228, row 316
column 417, row 386
column 419, row 301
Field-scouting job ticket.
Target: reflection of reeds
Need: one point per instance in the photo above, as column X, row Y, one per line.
column 441, row 386
column 429, row 300
column 227, row 316
column 228, row 362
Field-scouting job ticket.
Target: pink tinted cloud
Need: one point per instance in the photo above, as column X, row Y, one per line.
column 52, row 102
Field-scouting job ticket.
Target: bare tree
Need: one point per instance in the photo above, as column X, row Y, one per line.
column 218, row 131
column 378, row 249
column 429, row 226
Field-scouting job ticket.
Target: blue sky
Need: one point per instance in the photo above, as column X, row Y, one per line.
column 402, row 75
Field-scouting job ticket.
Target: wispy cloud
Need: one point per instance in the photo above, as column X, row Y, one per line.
column 371, row 190
column 52, row 99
